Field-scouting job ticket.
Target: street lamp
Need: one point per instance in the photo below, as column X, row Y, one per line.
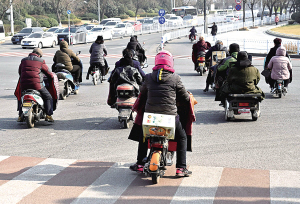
column 11, row 18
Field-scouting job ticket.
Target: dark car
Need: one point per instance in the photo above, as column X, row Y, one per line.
column 77, row 35
column 25, row 32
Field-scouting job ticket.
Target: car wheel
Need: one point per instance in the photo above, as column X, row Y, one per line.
column 111, row 37
column 24, row 47
column 40, row 45
column 53, row 44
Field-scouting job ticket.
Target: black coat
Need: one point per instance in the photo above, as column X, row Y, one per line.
column 214, row 29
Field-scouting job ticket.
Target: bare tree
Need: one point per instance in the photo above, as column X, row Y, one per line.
column 4, row 6
column 251, row 4
column 270, row 4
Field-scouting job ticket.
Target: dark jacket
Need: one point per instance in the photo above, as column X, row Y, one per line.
column 64, row 56
column 217, row 47
column 162, row 89
column 134, row 45
column 214, row 29
column 136, row 64
column 271, row 54
column 242, row 79
column 193, row 31
column 97, row 51
column 31, row 72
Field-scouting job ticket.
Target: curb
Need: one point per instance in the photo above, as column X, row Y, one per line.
column 295, row 37
column 264, row 55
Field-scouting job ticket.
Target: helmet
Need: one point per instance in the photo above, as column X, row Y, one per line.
column 164, row 58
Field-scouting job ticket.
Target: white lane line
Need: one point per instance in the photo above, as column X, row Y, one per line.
column 3, row 158
column 201, row 187
column 109, row 186
column 284, row 187
column 24, row 184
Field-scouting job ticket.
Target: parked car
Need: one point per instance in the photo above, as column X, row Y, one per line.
column 111, row 24
column 99, row 30
column 103, row 22
column 190, row 20
column 148, row 24
column 123, row 29
column 231, row 18
column 52, row 30
column 25, row 32
column 55, row 31
column 175, row 21
column 77, row 35
column 136, row 25
column 90, row 27
column 155, row 19
column 39, row 40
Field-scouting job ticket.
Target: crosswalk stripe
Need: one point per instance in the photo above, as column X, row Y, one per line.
column 105, row 188
column 201, row 187
column 68, row 184
column 24, row 184
column 39, row 180
column 284, row 187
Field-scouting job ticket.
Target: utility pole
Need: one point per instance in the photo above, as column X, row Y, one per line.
column 244, row 3
column 205, row 31
column 99, row 20
column 11, row 18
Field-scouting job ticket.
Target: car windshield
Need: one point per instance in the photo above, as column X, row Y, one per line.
column 148, row 21
column 97, row 29
column 110, row 23
column 187, row 17
column 26, row 30
column 52, row 29
column 121, row 25
column 173, row 18
column 72, row 30
column 89, row 27
column 59, row 30
column 35, row 35
column 103, row 22
column 132, row 23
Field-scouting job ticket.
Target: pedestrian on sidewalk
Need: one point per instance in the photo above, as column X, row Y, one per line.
column 276, row 20
column 214, row 30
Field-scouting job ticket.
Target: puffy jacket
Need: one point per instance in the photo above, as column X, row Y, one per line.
column 214, row 29
column 162, row 89
column 271, row 54
column 136, row 64
column 280, row 65
column 31, row 72
column 64, row 56
column 217, row 47
column 134, row 44
column 97, row 51
column 224, row 65
column 199, row 46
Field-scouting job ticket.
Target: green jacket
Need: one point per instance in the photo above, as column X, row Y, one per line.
column 225, row 63
column 64, row 56
column 242, row 80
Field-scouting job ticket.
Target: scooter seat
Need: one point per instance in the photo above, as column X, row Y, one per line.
column 31, row 91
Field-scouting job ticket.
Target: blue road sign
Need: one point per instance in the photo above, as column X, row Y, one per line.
column 161, row 20
column 161, row 12
column 238, row 7
column 69, row 12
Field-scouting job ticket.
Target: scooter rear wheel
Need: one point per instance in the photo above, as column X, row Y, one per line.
column 30, row 119
column 155, row 178
column 95, row 81
column 126, row 124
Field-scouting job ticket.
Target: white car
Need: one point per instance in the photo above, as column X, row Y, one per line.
column 122, row 29
column 190, row 20
column 111, row 24
column 231, row 18
column 96, row 31
column 175, row 21
column 39, row 40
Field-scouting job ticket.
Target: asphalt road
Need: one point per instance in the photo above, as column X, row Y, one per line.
column 87, row 128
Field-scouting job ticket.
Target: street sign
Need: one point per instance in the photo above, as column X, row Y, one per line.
column 238, row 1
column 161, row 20
column 69, row 12
column 161, row 12
column 238, row 7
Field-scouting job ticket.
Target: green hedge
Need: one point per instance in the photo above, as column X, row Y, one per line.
column 74, row 21
column 17, row 28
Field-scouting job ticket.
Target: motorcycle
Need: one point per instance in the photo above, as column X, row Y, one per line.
column 96, row 74
column 192, row 38
column 236, row 104
column 201, row 67
column 161, row 149
column 32, row 106
column 144, row 63
column 65, row 81
column 279, row 89
column 126, row 97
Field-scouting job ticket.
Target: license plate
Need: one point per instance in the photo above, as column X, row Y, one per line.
column 201, row 64
column 27, row 104
column 17, row 39
column 26, row 43
column 61, row 38
column 244, row 104
column 244, row 110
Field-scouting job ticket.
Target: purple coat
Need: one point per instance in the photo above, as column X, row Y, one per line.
column 280, row 65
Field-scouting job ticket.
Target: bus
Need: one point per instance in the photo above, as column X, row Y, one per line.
column 184, row 11
column 2, row 33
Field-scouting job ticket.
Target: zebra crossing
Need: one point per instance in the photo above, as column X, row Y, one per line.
column 49, row 180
